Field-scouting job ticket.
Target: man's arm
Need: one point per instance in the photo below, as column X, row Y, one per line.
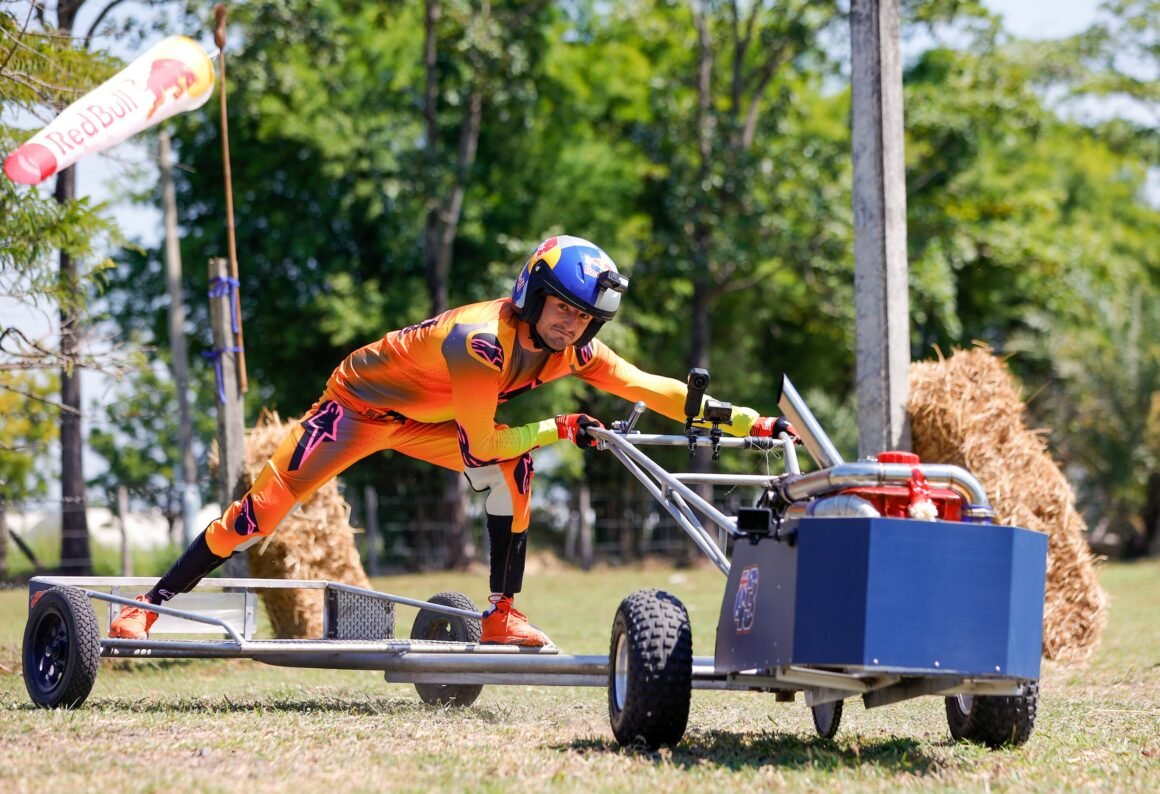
column 611, row 373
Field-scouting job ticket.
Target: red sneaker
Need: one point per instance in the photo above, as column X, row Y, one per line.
column 503, row 624
column 133, row 623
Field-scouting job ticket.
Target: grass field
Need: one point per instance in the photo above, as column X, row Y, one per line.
column 229, row 725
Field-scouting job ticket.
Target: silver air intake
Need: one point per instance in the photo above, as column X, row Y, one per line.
column 794, row 408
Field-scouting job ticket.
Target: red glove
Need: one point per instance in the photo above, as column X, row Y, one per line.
column 774, row 426
column 574, row 427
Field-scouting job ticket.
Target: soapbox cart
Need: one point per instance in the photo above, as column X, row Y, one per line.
column 883, row 578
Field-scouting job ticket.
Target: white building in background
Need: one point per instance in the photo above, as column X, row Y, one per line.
column 147, row 529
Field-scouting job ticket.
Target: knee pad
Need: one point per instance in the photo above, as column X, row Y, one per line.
column 509, row 487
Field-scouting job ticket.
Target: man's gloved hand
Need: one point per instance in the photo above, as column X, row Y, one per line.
column 773, row 426
column 574, row 427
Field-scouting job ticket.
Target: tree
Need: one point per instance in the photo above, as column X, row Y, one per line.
column 44, row 71
column 26, row 429
column 139, row 440
column 1031, row 229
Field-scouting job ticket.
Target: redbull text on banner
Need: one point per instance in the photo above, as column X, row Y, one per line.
column 175, row 75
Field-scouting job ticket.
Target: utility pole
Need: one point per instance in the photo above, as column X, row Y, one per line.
column 882, row 303
column 190, row 500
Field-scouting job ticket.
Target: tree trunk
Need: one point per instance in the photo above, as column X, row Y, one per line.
column 702, row 245
column 3, row 538
column 74, row 529
column 442, row 224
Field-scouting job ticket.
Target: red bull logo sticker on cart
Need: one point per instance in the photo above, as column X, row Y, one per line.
column 745, row 604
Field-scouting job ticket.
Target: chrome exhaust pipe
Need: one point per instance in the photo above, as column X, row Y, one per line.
column 870, row 474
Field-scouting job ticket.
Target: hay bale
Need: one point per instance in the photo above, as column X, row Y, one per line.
column 966, row 411
column 314, row 542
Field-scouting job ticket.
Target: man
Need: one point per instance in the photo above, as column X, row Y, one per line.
column 431, row 391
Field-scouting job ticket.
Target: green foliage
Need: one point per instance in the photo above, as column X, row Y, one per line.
column 27, row 427
column 40, row 73
column 138, row 437
column 1028, row 226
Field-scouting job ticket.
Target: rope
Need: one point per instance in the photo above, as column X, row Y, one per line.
column 221, row 287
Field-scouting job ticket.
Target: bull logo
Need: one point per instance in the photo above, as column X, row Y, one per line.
column 246, row 523
column 545, row 247
column 745, row 603
column 322, row 426
column 165, row 75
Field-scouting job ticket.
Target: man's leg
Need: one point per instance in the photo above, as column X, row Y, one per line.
column 325, row 442
column 509, row 509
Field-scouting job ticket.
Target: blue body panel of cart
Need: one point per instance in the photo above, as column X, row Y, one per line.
column 889, row 594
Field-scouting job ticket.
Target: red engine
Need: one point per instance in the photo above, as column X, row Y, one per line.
column 917, row 499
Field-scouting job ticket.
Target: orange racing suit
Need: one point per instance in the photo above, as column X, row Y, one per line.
column 431, row 391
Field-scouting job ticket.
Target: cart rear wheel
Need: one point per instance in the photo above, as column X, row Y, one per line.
column 447, row 628
column 827, row 718
column 650, row 670
column 994, row 720
column 62, row 648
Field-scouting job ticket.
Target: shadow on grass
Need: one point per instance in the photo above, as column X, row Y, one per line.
column 344, row 705
column 741, row 750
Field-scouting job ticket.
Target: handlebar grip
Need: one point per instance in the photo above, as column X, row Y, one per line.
column 698, row 382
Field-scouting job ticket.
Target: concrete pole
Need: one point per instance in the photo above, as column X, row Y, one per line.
column 123, row 520
column 231, row 425
column 190, row 498
column 882, row 301
column 371, row 500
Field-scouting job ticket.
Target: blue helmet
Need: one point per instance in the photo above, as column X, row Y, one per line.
column 575, row 271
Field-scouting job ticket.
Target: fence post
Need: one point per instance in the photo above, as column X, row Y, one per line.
column 371, row 509
column 585, row 508
column 231, row 424
column 123, row 517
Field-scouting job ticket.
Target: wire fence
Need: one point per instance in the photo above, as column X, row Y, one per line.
column 411, row 532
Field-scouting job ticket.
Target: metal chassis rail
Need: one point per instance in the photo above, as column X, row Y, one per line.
column 423, row 661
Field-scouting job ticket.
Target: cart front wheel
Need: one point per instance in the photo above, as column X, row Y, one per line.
column 650, row 670
column 994, row 720
column 447, row 628
column 62, row 648
column 827, row 718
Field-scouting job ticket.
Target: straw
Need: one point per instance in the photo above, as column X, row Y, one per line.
column 966, row 410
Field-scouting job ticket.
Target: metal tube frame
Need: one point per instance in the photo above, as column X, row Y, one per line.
column 419, row 661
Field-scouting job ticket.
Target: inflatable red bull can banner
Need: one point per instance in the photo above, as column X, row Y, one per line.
column 174, row 76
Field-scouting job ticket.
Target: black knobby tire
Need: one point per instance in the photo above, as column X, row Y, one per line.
column 447, row 628
column 62, row 648
column 994, row 720
column 650, row 670
column 827, row 718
